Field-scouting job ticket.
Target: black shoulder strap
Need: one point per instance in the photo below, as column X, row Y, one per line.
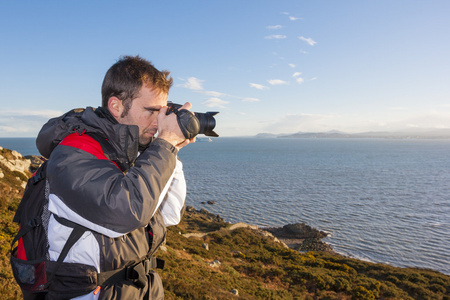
column 75, row 235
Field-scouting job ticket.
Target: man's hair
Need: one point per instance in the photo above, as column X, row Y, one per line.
column 128, row 75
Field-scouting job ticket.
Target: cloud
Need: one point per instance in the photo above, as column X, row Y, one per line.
column 258, row 86
column 24, row 122
column 250, row 99
column 297, row 77
column 276, row 82
column 310, row 41
column 193, row 83
column 290, row 17
column 215, row 102
column 292, row 65
column 275, row 37
column 44, row 113
column 274, row 27
column 292, row 123
column 213, row 93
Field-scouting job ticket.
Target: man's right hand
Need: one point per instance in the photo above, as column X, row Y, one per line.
column 169, row 130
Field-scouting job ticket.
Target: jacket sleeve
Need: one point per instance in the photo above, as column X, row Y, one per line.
column 90, row 190
column 173, row 204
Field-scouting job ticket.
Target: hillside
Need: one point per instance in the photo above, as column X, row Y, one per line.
column 208, row 258
column 404, row 134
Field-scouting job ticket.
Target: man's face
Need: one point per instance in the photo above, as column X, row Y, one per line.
column 144, row 112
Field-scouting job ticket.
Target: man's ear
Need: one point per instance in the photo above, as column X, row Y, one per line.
column 115, row 107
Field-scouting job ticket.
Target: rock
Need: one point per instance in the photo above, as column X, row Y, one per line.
column 14, row 161
column 297, row 231
column 206, row 246
column 190, row 209
column 301, row 237
column 235, row 292
column 314, row 244
column 215, row 264
column 195, row 234
column 238, row 254
column 211, row 202
column 36, row 161
column 240, row 225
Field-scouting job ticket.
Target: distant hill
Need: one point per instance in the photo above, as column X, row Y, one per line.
column 404, row 134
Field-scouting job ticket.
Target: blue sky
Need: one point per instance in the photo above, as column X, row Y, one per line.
column 267, row 66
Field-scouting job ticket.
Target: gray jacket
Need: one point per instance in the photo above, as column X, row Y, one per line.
column 126, row 209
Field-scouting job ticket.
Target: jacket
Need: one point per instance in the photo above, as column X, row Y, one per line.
column 124, row 198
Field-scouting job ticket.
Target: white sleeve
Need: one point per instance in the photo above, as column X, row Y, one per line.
column 174, row 200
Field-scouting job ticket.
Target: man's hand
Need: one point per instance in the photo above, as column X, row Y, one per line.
column 169, row 130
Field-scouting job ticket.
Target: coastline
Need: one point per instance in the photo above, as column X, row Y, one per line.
column 209, row 258
column 298, row 236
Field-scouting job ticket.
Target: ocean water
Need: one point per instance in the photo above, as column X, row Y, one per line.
column 25, row 146
column 381, row 200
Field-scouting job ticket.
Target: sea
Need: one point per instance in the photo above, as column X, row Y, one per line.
column 380, row 200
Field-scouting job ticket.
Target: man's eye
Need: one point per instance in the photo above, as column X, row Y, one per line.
column 152, row 110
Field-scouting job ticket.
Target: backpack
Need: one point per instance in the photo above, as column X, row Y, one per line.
column 32, row 268
column 29, row 260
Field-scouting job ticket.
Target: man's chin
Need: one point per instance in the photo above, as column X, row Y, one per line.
column 146, row 138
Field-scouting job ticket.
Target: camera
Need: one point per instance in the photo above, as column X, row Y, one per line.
column 193, row 123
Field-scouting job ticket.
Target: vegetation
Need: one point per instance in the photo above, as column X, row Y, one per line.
column 258, row 267
column 246, row 263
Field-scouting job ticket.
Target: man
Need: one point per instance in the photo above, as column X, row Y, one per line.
column 108, row 173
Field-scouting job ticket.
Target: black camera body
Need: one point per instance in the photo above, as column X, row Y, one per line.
column 193, row 123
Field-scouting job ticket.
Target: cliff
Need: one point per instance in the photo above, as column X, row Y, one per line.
column 208, row 258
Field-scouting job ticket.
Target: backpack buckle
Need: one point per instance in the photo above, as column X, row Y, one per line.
column 34, row 222
column 136, row 274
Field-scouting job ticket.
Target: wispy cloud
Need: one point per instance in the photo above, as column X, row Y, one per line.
column 258, row 86
column 250, row 100
column 213, row 93
column 292, row 18
column 292, row 123
column 276, row 82
column 44, row 113
column 275, row 37
column 292, row 65
column 274, row 27
column 297, row 77
column 215, row 102
column 26, row 122
column 193, row 83
column 310, row 41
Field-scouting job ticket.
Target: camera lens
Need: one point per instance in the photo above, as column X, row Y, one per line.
column 207, row 123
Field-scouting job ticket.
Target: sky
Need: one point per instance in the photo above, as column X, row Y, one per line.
column 267, row 66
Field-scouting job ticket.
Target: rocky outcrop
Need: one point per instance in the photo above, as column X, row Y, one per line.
column 14, row 161
column 301, row 237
